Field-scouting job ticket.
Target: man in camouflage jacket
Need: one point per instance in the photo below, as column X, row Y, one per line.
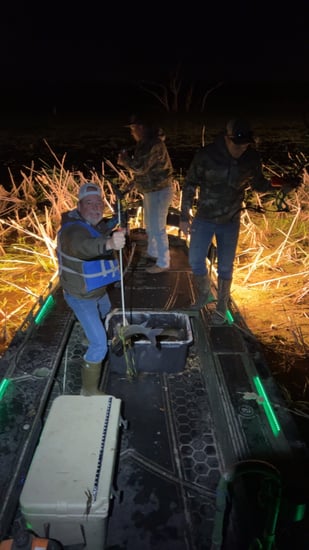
column 223, row 171
column 151, row 169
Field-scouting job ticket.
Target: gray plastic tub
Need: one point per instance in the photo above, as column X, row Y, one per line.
column 162, row 345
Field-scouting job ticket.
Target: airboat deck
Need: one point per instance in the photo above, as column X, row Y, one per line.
column 208, row 456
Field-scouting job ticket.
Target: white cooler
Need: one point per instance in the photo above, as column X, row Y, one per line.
column 68, row 488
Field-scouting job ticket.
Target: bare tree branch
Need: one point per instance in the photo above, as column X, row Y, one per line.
column 205, row 96
column 161, row 96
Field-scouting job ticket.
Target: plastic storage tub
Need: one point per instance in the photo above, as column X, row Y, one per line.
column 68, row 488
column 149, row 350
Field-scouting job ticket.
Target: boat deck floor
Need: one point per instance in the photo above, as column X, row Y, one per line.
column 183, row 430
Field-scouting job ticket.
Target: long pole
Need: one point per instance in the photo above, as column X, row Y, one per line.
column 121, row 270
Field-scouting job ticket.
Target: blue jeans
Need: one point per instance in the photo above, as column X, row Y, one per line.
column 91, row 314
column 226, row 235
column 156, row 205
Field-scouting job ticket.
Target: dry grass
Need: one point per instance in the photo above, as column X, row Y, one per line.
column 270, row 285
column 272, row 271
column 30, row 215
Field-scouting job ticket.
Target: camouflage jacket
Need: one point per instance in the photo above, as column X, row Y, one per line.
column 150, row 166
column 222, row 182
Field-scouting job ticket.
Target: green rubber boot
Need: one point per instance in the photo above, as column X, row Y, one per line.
column 91, row 374
column 204, row 295
column 219, row 315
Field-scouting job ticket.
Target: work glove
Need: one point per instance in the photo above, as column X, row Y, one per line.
column 184, row 226
column 117, row 240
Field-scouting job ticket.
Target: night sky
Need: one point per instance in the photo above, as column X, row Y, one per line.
column 50, row 48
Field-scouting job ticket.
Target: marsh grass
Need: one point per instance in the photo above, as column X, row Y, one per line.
column 270, row 283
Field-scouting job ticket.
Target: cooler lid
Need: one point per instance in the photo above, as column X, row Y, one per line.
column 72, row 468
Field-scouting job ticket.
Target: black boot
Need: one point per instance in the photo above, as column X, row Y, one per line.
column 219, row 315
column 91, row 374
column 204, row 295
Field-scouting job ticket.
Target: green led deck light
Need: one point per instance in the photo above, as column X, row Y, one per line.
column 300, row 512
column 229, row 317
column 271, row 417
column 3, row 386
column 46, row 307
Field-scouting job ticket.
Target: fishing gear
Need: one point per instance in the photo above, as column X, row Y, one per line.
column 283, row 189
column 281, row 203
column 31, row 543
column 125, row 332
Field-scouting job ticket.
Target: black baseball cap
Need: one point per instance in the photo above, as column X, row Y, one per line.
column 239, row 131
column 135, row 120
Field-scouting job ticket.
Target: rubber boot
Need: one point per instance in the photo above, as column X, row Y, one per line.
column 219, row 315
column 204, row 295
column 91, row 374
